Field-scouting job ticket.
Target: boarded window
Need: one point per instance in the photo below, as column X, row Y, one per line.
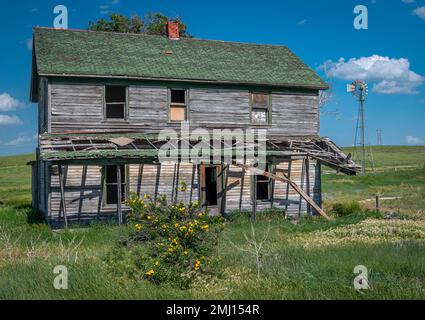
column 263, row 187
column 112, row 185
column 115, row 102
column 260, row 108
column 178, row 105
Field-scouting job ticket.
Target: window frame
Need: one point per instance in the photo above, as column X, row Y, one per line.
column 126, row 103
column 185, row 105
column 271, row 169
column 269, row 108
column 125, row 187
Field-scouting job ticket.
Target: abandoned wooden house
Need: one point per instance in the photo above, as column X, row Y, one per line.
column 104, row 97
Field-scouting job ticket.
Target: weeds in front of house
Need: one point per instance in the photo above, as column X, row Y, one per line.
column 170, row 243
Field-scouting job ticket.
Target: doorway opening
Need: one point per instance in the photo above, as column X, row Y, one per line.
column 211, row 197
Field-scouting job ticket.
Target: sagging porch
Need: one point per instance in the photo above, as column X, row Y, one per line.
column 81, row 174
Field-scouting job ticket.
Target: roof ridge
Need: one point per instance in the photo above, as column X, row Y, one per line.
column 161, row 36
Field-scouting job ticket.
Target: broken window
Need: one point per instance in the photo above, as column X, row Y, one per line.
column 263, row 186
column 111, row 184
column 115, row 102
column 178, row 105
column 260, row 108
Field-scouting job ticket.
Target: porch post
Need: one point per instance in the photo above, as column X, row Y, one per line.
column 119, row 196
column 307, row 171
column 254, row 199
column 62, row 187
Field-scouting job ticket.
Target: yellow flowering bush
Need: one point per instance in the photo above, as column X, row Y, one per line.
column 179, row 238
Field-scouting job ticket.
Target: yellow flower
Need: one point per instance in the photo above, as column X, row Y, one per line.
column 197, row 265
column 200, row 215
column 185, row 252
column 156, row 263
column 183, row 228
column 145, row 196
column 138, row 227
column 176, row 225
column 149, row 217
column 205, row 227
column 150, row 273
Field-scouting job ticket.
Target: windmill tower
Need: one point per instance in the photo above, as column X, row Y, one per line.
column 362, row 150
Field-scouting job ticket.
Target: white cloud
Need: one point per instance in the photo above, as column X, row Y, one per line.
column 18, row 140
column 9, row 120
column 411, row 140
column 302, row 22
column 389, row 75
column 8, row 103
column 420, row 12
column 408, row 1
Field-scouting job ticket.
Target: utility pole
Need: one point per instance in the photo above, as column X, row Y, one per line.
column 379, row 137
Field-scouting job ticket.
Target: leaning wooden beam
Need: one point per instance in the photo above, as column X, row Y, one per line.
column 119, row 195
column 62, row 187
column 285, row 179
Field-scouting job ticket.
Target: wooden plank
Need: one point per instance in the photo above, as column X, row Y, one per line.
column 119, row 192
column 308, row 186
column 284, row 178
column 62, row 187
column 254, row 200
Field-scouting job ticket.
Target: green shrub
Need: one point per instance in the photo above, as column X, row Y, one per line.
column 178, row 239
column 340, row 209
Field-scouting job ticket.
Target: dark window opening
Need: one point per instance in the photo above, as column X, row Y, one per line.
column 115, row 101
column 211, row 198
column 263, row 186
column 178, row 96
column 112, row 185
column 178, row 105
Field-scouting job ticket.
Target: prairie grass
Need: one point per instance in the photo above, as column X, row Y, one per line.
column 312, row 259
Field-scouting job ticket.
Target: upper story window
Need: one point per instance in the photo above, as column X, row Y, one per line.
column 260, row 108
column 178, row 105
column 115, row 102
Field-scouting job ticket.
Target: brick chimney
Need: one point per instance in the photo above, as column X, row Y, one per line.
column 173, row 30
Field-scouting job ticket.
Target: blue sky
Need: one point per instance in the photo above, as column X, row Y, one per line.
column 389, row 55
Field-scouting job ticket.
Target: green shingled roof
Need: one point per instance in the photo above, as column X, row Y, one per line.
column 88, row 53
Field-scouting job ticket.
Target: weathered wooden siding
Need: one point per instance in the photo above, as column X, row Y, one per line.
column 165, row 179
column 284, row 197
column 294, row 115
column 83, row 190
column 79, row 107
column 83, row 187
column 238, row 190
column 218, row 108
column 43, row 111
column 76, row 107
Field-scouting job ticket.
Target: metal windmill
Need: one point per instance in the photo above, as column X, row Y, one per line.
column 362, row 150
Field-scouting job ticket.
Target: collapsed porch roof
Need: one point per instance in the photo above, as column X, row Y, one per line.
column 138, row 147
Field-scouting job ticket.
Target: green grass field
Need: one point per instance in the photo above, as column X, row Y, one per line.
column 313, row 259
